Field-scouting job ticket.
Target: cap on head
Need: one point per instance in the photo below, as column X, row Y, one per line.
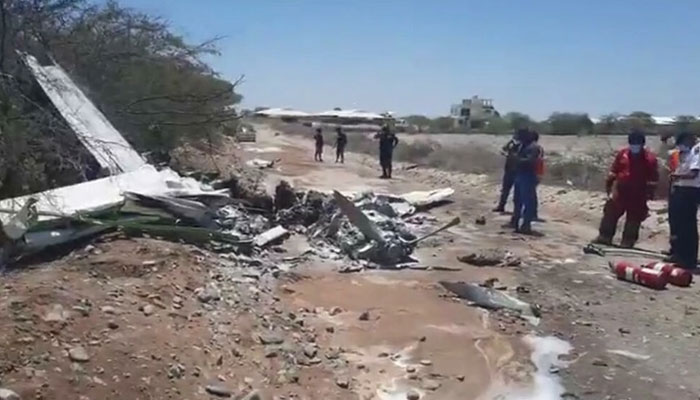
column 636, row 137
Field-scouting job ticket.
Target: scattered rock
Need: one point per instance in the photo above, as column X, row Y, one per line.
column 271, row 353
column 624, row 331
column 600, row 363
column 364, row 316
column 78, row 354
column 412, row 395
column 335, row 311
column 84, row 311
column 330, row 329
column 109, row 310
column 56, row 314
column 461, row 378
column 310, row 350
column 176, row 371
column 491, row 257
column 7, row 394
column 410, row 369
column 112, row 325
column 431, row 385
column 270, row 338
column 208, row 294
column 426, row 363
column 342, row 382
column 148, row 309
column 480, row 221
column 220, row 391
column 254, row 395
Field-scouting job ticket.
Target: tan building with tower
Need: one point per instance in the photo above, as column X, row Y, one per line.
column 473, row 113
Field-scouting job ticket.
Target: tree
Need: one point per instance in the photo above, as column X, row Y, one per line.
column 498, row 126
column 609, row 124
column 640, row 120
column 518, row 120
column 442, row 125
column 419, row 121
column 684, row 121
column 151, row 84
column 570, row 123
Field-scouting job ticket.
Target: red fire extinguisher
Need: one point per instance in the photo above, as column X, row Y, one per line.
column 676, row 275
column 644, row 276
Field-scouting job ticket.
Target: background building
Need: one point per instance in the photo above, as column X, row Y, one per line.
column 473, row 113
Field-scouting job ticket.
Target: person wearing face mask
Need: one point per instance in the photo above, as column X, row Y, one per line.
column 631, row 183
column 683, row 204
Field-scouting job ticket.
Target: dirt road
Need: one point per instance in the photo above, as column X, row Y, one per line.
column 147, row 319
column 656, row 332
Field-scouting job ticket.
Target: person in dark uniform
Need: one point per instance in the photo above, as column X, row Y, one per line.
column 340, row 142
column 318, row 138
column 683, row 205
column 510, row 151
column 525, row 185
column 387, row 143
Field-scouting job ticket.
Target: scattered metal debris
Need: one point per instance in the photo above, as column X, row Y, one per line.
column 270, row 236
column 630, row 355
column 260, row 163
column 492, row 299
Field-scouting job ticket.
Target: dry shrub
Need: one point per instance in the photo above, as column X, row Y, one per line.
column 587, row 171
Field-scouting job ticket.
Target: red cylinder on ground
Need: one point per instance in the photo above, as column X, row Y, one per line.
column 676, row 275
column 650, row 278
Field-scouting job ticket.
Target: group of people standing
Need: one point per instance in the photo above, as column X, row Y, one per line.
column 341, row 140
column 523, row 171
column 632, row 181
column 387, row 142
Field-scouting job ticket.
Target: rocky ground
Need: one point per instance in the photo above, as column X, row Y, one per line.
column 150, row 319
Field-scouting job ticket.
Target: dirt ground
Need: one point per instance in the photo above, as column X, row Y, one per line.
column 149, row 319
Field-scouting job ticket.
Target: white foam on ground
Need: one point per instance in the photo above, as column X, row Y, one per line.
column 545, row 384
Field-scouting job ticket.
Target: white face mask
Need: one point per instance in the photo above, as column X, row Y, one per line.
column 636, row 148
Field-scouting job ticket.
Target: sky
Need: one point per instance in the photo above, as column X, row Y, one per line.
column 421, row 56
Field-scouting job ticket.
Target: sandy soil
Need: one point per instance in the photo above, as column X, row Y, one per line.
column 582, row 302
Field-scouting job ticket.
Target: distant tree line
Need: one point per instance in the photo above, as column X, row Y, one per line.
column 149, row 81
column 560, row 123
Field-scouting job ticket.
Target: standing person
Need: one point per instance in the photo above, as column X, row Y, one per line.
column 510, row 151
column 539, row 172
column 318, row 138
column 340, row 141
column 683, row 205
column 674, row 161
column 525, row 192
column 387, row 142
column 631, row 182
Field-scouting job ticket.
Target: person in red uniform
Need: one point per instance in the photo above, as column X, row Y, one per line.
column 632, row 181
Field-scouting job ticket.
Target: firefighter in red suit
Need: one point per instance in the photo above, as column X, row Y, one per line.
column 631, row 183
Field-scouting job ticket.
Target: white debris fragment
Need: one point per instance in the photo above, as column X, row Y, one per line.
column 270, row 236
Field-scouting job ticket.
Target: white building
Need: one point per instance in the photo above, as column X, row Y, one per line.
column 473, row 113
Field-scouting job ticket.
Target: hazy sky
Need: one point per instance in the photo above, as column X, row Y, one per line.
column 420, row 56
